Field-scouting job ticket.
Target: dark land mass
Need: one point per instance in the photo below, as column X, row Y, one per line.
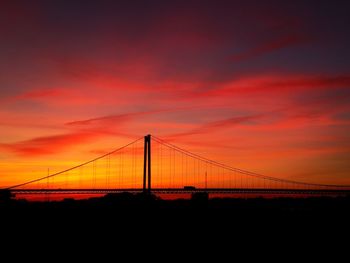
column 139, row 218
column 126, row 205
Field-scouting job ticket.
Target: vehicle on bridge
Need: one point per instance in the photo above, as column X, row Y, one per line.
column 189, row 187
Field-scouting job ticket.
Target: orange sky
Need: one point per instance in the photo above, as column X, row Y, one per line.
column 80, row 80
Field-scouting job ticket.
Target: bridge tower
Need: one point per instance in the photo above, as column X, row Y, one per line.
column 147, row 165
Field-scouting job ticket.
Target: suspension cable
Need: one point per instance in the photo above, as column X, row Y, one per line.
column 72, row 168
column 245, row 172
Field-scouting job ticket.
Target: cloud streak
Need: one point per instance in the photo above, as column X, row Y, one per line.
column 117, row 118
column 269, row 47
column 48, row 144
column 122, row 118
column 216, row 126
column 271, row 84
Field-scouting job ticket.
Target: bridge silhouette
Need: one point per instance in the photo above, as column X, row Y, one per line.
column 152, row 165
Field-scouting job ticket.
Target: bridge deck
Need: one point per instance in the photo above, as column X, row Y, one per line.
column 189, row 191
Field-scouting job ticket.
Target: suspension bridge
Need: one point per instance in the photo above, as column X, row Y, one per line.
column 152, row 165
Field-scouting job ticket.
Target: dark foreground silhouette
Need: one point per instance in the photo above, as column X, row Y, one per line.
column 132, row 217
column 145, row 205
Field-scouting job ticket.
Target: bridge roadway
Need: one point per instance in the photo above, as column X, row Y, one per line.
column 262, row 191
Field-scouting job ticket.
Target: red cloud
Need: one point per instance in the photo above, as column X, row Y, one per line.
column 42, row 93
column 113, row 118
column 49, row 144
column 108, row 76
column 120, row 118
column 105, row 119
column 272, row 84
column 215, row 125
column 271, row 46
column 58, row 96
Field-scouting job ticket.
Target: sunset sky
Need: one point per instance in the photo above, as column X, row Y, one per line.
column 260, row 85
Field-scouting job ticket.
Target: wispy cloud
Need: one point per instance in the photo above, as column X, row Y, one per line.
column 57, row 96
column 42, row 93
column 121, row 118
column 118, row 118
column 48, row 144
column 218, row 125
column 269, row 47
column 271, row 84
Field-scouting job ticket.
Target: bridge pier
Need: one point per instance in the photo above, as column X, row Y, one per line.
column 147, row 164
